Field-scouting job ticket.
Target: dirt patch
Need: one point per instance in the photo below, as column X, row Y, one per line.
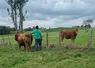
column 70, row 46
column 52, row 45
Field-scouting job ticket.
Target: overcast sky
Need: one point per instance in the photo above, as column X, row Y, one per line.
column 52, row 13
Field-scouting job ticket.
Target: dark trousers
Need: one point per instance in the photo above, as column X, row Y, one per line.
column 38, row 43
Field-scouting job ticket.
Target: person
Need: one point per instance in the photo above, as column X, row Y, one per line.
column 38, row 38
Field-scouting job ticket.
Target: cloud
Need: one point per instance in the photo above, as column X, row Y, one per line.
column 40, row 23
column 55, row 13
column 3, row 5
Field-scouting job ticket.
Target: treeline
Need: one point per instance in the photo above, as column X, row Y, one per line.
column 8, row 30
column 59, row 28
column 30, row 29
column 4, row 30
column 68, row 28
column 84, row 26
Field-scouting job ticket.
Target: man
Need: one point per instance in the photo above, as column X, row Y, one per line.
column 38, row 38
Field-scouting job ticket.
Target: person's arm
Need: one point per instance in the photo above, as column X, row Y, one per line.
column 32, row 32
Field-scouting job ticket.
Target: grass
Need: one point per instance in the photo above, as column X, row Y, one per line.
column 47, row 58
column 12, row 57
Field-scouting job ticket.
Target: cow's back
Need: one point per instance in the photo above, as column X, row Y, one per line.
column 67, row 34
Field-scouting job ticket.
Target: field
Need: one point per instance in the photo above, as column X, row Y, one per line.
column 12, row 57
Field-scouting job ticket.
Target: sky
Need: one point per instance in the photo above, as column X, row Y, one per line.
column 52, row 13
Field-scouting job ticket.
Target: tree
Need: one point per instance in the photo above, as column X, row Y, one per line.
column 14, row 6
column 28, row 29
column 89, row 26
column 87, row 22
column 81, row 25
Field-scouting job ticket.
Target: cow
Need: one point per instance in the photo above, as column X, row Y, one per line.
column 24, row 39
column 69, row 34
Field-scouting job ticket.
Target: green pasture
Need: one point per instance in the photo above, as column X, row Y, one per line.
column 53, row 38
column 12, row 57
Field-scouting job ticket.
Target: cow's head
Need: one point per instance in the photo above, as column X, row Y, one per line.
column 74, row 33
column 16, row 36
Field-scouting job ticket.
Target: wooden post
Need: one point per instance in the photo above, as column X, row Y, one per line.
column 91, row 36
column 59, row 40
column 47, row 39
column 2, row 38
column 9, row 40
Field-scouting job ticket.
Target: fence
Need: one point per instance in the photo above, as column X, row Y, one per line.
column 6, row 38
column 55, row 37
column 48, row 38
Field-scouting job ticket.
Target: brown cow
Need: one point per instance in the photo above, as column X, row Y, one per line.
column 69, row 34
column 24, row 40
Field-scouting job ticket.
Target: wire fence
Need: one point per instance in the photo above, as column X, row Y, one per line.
column 7, row 39
column 48, row 38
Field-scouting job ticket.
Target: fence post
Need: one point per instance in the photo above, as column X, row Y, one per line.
column 9, row 40
column 2, row 38
column 59, row 40
column 47, row 39
column 91, row 34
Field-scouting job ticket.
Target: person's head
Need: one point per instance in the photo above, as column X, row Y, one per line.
column 37, row 27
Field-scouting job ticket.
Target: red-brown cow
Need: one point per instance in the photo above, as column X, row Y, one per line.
column 24, row 40
column 69, row 34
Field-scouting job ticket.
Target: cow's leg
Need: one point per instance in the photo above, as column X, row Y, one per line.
column 26, row 47
column 29, row 44
column 19, row 46
column 30, row 47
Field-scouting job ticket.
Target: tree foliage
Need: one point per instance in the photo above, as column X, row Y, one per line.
column 16, row 7
column 4, row 30
column 87, row 22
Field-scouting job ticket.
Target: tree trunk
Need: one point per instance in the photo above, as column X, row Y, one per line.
column 21, row 19
column 14, row 17
column 15, row 21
